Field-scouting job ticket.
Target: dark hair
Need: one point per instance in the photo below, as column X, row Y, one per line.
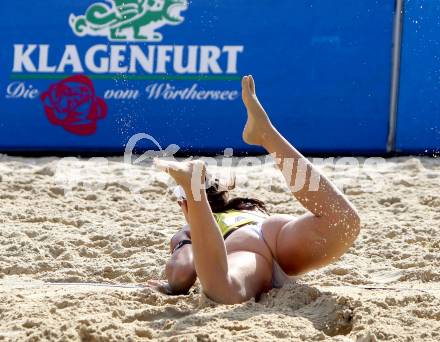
column 218, row 198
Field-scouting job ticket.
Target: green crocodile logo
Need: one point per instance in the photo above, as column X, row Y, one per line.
column 129, row 20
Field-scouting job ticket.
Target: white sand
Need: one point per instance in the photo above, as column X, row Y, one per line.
column 114, row 226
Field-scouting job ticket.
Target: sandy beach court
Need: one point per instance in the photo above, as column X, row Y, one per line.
column 80, row 238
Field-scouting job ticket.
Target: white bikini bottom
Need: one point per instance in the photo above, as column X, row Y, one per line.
column 279, row 277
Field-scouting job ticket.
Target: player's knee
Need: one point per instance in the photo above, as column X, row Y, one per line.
column 353, row 225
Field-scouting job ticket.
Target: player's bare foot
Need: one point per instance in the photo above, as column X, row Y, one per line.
column 190, row 175
column 258, row 124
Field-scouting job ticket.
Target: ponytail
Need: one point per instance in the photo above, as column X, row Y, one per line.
column 218, row 198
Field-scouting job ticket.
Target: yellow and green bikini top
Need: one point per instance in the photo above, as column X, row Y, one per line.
column 233, row 219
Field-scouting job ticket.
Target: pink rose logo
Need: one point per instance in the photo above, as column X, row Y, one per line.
column 73, row 105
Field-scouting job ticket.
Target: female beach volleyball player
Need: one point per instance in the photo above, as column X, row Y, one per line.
column 234, row 247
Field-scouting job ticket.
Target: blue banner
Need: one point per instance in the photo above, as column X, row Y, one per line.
column 88, row 75
column 418, row 119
